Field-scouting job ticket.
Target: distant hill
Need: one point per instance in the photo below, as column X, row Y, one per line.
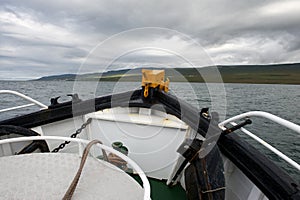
column 62, row 77
column 269, row 74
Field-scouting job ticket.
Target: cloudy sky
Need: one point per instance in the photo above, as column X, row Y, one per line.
column 41, row 38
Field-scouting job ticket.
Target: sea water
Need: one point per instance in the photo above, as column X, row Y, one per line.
column 228, row 99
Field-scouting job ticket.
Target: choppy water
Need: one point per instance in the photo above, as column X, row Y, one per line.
column 281, row 100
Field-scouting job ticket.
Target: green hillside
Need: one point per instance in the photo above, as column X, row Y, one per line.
column 260, row 74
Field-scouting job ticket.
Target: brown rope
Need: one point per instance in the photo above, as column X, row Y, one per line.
column 68, row 195
column 117, row 161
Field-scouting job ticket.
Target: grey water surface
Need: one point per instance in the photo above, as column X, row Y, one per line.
column 228, row 99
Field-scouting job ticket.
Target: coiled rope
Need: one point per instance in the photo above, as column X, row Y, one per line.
column 68, row 195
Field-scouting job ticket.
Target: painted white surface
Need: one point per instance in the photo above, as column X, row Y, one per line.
column 135, row 166
column 152, row 143
column 238, row 186
column 64, row 128
column 48, row 176
column 151, row 136
column 142, row 116
column 12, row 148
column 152, row 140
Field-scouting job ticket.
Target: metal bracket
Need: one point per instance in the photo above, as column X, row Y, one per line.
column 236, row 127
column 154, row 79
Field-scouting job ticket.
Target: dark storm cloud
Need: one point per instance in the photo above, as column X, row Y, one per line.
column 51, row 37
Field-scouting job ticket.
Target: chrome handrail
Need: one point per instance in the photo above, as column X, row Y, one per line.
column 33, row 101
column 271, row 117
column 266, row 115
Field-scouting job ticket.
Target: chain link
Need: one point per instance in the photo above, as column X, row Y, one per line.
column 74, row 135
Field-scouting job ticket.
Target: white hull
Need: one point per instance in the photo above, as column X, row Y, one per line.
column 152, row 139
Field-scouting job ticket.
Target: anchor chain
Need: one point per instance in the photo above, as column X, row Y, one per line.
column 74, row 135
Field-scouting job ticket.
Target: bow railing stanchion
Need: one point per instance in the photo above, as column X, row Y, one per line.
column 266, row 115
column 271, row 117
column 33, row 101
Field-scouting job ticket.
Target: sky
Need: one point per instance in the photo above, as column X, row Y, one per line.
column 40, row 38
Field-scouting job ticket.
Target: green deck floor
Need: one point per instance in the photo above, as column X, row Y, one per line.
column 160, row 191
